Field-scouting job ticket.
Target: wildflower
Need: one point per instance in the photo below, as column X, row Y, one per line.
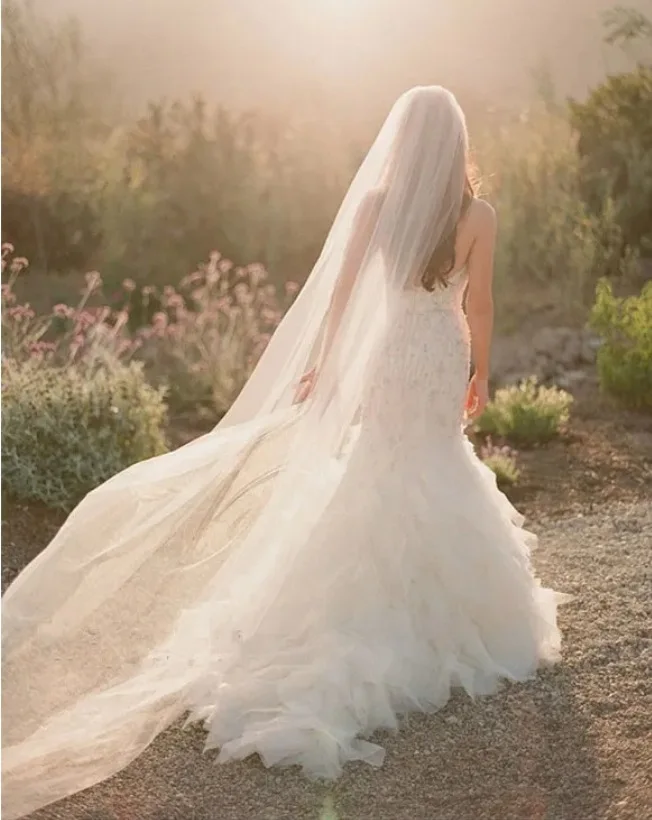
column 129, row 285
column 84, row 320
column 291, row 288
column 20, row 312
column 175, row 301
column 63, row 311
column 18, row 264
column 257, row 274
column 93, row 280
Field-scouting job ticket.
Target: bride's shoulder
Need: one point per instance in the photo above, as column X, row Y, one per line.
column 482, row 216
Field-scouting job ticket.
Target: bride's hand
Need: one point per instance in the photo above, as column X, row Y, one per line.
column 306, row 386
column 477, row 396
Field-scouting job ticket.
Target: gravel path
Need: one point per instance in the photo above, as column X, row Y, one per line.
column 575, row 744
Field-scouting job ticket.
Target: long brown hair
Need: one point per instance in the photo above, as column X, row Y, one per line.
column 442, row 260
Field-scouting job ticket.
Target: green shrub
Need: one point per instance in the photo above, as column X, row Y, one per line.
column 615, row 146
column 551, row 248
column 526, row 414
column 66, row 430
column 502, row 462
column 625, row 356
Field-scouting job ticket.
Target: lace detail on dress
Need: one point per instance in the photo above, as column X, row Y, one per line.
column 419, row 384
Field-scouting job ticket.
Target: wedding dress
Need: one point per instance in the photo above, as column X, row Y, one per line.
column 418, row 579
column 303, row 574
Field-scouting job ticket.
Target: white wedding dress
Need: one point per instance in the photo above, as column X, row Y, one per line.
column 418, row 578
column 301, row 575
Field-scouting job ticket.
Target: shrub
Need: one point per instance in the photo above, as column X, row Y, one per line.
column 66, row 335
column 502, row 462
column 66, row 430
column 551, row 247
column 526, row 414
column 615, row 147
column 625, row 356
column 207, row 338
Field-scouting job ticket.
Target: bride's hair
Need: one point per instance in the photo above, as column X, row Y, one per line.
column 442, row 260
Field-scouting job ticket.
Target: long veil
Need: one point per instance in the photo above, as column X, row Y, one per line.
column 101, row 641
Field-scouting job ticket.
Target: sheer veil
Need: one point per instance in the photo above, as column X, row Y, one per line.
column 158, row 572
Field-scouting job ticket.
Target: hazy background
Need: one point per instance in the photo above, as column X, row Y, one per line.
column 359, row 53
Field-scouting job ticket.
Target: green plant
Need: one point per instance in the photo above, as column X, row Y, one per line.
column 209, row 334
column 625, row 356
column 527, row 413
column 614, row 129
column 56, row 108
column 66, row 430
column 551, row 247
column 502, row 462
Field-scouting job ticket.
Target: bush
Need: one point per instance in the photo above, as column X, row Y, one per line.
column 526, row 414
column 66, row 430
column 210, row 333
column 615, row 147
column 625, row 356
column 502, row 462
column 551, row 247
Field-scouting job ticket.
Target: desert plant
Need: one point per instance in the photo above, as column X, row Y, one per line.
column 526, row 414
column 502, row 462
column 66, row 430
column 625, row 356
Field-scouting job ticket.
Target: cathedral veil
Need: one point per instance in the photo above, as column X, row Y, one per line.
column 102, row 639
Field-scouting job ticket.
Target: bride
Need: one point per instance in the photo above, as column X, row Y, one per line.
column 333, row 554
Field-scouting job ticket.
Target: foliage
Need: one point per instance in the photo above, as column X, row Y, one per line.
column 66, row 335
column 66, row 430
column 74, row 411
column 502, row 462
column 625, row 24
column 146, row 200
column 550, row 245
column 185, row 180
column 615, row 147
column 200, row 342
column 210, row 333
column 54, row 112
column 625, row 356
column 526, row 414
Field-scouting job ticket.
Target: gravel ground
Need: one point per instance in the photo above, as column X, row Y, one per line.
column 574, row 744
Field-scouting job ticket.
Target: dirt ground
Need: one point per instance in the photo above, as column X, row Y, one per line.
column 574, row 744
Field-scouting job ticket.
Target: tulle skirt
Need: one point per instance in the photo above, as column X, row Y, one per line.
column 418, row 581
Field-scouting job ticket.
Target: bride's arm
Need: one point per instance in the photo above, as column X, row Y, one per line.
column 479, row 300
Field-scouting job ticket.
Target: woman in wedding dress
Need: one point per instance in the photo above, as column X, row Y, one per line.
column 333, row 554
